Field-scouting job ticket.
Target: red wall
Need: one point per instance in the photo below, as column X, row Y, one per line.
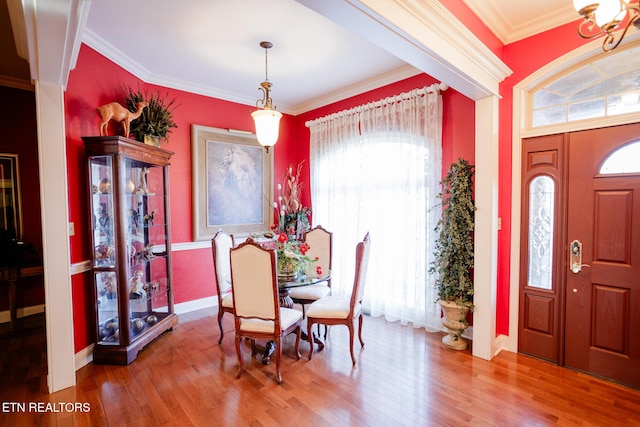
column 96, row 81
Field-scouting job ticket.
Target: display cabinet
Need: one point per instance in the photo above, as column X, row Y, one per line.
column 131, row 246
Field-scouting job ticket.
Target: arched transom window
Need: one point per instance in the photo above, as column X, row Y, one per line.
column 606, row 87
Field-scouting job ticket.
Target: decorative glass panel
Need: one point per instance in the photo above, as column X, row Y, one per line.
column 625, row 159
column 541, row 214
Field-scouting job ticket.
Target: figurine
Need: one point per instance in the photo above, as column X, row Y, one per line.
column 117, row 113
column 133, row 219
column 142, row 186
column 136, row 287
column 147, row 251
column 109, row 290
column 153, row 288
column 148, row 218
column 104, row 254
column 132, row 254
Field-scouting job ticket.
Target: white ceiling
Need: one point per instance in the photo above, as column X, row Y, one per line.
column 211, row 47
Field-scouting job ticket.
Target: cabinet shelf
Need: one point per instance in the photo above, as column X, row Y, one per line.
column 131, row 241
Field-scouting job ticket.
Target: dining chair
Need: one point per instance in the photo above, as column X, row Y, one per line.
column 258, row 315
column 320, row 244
column 221, row 245
column 339, row 310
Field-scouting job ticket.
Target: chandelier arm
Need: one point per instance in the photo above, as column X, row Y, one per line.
column 589, row 24
column 610, row 41
column 634, row 14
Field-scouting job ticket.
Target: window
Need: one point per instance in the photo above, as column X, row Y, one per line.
column 376, row 169
column 541, row 218
column 625, row 159
column 606, row 87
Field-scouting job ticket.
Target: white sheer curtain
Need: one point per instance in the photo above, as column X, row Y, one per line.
column 377, row 168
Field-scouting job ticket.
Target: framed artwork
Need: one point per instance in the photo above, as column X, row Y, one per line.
column 232, row 183
column 10, row 200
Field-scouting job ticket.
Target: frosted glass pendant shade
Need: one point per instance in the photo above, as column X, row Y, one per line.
column 267, row 126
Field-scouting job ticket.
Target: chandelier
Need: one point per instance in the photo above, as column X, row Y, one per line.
column 605, row 17
column 266, row 118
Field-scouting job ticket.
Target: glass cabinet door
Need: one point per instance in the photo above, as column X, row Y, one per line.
column 104, row 244
column 146, row 244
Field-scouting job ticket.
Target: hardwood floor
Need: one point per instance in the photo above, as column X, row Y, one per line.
column 403, row 377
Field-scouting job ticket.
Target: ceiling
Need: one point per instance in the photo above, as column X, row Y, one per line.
column 211, row 47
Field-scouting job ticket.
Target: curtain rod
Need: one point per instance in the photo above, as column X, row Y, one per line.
column 385, row 101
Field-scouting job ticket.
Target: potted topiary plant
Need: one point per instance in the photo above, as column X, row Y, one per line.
column 156, row 121
column 454, row 252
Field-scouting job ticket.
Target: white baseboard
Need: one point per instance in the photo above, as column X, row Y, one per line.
column 468, row 333
column 501, row 343
column 186, row 307
column 5, row 316
column 85, row 356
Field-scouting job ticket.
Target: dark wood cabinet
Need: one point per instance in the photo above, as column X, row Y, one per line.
column 131, row 246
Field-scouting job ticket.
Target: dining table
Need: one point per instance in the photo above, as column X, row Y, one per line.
column 285, row 284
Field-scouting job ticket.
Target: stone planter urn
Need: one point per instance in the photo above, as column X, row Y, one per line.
column 455, row 323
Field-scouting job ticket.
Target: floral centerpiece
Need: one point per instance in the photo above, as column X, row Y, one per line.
column 293, row 260
column 292, row 217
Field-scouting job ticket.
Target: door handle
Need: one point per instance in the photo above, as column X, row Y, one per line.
column 575, row 257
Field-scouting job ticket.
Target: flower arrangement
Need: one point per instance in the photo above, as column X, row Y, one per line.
column 292, row 217
column 292, row 256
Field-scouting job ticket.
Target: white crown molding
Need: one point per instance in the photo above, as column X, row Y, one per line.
column 116, row 56
column 365, row 86
column 109, row 51
column 113, row 54
column 466, row 46
column 53, row 55
column 543, row 23
column 494, row 18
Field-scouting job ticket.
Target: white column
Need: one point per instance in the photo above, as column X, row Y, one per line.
column 55, row 236
column 486, row 228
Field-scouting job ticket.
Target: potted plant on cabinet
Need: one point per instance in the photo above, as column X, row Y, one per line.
column 156, row 121
column 454, row 252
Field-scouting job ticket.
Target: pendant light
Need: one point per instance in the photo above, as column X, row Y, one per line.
column 266, row 118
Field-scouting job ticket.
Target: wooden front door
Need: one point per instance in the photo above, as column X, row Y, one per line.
column 586, row 317
column 602, row 331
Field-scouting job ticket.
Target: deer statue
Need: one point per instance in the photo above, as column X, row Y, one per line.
column 117, row 113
